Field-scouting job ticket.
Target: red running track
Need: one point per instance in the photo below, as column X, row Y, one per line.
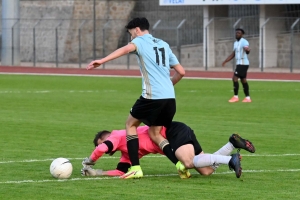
column 125, row 72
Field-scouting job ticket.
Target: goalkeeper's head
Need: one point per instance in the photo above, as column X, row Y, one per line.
column 100, row 137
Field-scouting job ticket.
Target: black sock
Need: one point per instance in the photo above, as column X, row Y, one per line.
column 246, row 89
column 236, row 87
column 133, row 149
column 165, row 146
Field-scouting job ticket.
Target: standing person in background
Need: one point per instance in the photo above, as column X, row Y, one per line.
column 156, row 106
column 240, row 51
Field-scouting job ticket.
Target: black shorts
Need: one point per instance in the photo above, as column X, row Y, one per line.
column 179, row 134
column 241, row 71
column 154, row 112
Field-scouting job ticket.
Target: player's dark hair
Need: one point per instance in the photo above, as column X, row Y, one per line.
column 239, row 29
column 142, row 23
column 99, row 135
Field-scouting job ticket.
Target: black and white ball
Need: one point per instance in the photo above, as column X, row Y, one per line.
column 61, row 168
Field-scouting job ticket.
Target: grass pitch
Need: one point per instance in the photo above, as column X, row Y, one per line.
column 45, row 117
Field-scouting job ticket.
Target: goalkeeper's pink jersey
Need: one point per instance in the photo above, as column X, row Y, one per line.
column 118, row 139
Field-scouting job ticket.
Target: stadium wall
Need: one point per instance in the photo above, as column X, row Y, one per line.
column 114, row 14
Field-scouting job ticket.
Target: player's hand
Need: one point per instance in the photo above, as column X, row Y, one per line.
column 93, row 64
column 223, row 64
column 88, row 171
column 247, row 49
column 88, row 162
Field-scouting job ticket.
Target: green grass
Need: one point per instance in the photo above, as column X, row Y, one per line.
column 45, row 117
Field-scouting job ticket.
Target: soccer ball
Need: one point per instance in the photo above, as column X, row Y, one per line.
column 61, row 168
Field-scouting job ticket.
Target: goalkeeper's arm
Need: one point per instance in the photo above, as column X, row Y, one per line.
column 121, row 169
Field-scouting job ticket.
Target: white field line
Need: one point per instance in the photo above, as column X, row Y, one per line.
column 112, row 91
column 119, row 76
column 53, row 91
column 156, row 175
column 115, row 157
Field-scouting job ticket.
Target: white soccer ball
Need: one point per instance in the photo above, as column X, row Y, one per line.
column 61, row 168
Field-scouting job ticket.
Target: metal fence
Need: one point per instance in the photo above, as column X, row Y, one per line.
column 70, row 43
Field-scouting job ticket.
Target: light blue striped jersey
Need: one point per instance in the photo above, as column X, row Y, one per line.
column 240, row 54
column 155, row 59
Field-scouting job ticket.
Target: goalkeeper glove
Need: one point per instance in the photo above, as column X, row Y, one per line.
column 87, row 162
column 88, row 171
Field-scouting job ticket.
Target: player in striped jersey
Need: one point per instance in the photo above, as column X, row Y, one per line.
column 156, row 106
column 240, row 51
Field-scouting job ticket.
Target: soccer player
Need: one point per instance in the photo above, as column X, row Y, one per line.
column 240, row 51
column 183, row 142
column 156, row 106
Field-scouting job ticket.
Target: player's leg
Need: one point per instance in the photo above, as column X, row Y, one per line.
column 205, row 160
column 163, row 143
column 245, row 84
column 203, row 163
column 132, row 122
column 135, row 170
column 163, row 117
column 183, row 143
column 240, row 143
column 185, row 154
column 225, row 150
column 235, row 82
column 235, row 141
column 246, row 91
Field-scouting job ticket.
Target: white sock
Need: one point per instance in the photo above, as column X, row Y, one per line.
column 225, row 150
column 236, row 96
column 205, row 160
column 247, row 97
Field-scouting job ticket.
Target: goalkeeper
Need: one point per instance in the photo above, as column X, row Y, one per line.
column 183, row 143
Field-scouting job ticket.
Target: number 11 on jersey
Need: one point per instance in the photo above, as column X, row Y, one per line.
column 162, row 50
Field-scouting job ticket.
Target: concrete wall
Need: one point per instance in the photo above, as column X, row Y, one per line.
column 191, row 55
column 284, row 52
column 272, row 29
column 45, row 30
column 114, row 14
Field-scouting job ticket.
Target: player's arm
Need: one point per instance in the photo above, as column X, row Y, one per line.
column 179, row 70
column 121, row 169
column 116, row 54
column 246, row 47
column 179, row 73
column 105, row 147
column 229, row 58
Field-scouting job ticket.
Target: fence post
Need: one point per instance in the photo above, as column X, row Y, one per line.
column 178, row 39
column 34, row 49
column 206, row 44
column 262, row 59
column 94, row 30
column 103, row 43
column 12, row 42
column 155, row 25
column 79, row 43
column 56, row 42
column 292, row 44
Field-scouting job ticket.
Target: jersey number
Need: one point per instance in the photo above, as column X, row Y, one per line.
column 162, row 50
